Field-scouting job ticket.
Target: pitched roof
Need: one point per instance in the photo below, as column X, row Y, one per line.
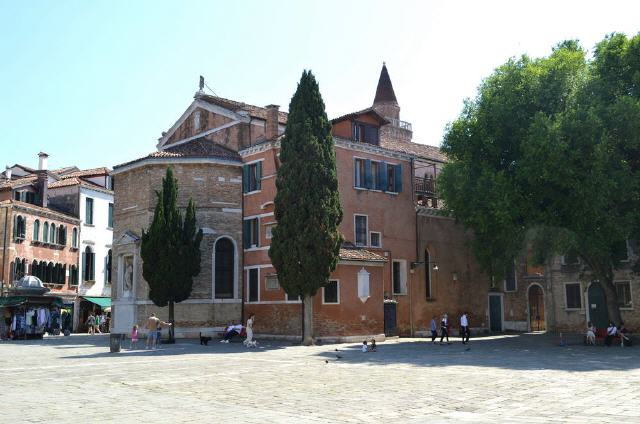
column 87, row 172
column 72, row 181
column 384, row 92
column 349, row 252
column 29, row 179
column 423, row 151
column 254, row 111
column 198, row 148
column 67, row 182
column 368, row 111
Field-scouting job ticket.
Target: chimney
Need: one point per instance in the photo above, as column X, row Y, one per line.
column 42, row 161
column 43, row 187
column 7, row 173
column 271, row 132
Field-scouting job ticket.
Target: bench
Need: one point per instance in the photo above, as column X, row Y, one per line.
column 601, row 335
column 239, row 337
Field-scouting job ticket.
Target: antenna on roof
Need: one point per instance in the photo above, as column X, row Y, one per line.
column 203, row 84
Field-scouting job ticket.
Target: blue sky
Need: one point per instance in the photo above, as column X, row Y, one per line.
column 94, row 83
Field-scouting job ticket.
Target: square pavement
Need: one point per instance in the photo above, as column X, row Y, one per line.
column 511, row 378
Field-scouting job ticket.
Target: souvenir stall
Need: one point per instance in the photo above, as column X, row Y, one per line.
column 29, row 312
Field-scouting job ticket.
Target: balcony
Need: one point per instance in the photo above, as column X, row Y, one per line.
column 400, row 124
column 425, row 190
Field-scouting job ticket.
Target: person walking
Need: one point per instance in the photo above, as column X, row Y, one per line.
column 134, row 338
column 248, row 342
column 91, row 323
column 152, row 330
column 97, row 324
column 464, row 328
column 434, row 330
column 444, row 328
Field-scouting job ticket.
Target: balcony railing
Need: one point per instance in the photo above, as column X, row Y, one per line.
column 400, row 124
column 426, row 186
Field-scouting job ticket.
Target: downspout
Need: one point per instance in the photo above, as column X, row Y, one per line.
column 411, row 273
column 4, row 248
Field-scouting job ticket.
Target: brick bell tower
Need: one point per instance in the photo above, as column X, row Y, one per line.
column 386, row 104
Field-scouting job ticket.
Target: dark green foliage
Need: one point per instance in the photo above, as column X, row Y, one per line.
column 170, row 248
column 549, row 154
column 306, row 242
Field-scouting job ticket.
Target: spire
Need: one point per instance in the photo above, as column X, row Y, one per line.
column 384, row 92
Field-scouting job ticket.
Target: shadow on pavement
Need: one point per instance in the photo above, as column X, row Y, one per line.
column 531, row 351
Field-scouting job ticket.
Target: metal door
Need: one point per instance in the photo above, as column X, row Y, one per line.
column 598, row 314
column 390, row 320
column 536, row 308
column 495, row 313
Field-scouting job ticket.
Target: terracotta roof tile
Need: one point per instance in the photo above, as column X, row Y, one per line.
column 67, row 182
column 423, row 151
column 368, row 111
column 348, row 252
column 254, row 111
column 29, row 179
column 87, row 172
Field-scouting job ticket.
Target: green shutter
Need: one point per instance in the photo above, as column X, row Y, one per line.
column 93, row 266
column 246, row 233
column 15, row 226
column 256, row 230
column 258, row 175
column 245, row 178
column 383, row 176
column 368, row 178
column 84, row 266
column 398, row 178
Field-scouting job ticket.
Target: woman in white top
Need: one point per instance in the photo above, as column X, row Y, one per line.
column 591, row 334
column 249, row 340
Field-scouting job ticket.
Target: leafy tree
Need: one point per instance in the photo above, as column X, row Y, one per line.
column 306, row 242
column 548, row 154
column 170, row 249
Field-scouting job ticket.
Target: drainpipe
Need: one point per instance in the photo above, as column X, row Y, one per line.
column 4, row 249
column 411, row 270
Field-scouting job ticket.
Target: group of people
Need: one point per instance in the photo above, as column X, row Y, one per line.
column 95, row 322
column 233, row 330
column 154, row 331
column 612, row 332
column 465, row 333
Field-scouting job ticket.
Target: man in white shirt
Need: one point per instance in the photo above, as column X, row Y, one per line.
column 464, row 328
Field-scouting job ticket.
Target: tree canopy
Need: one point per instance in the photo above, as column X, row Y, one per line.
column 170, row 248
column 549, row 152
column 306, row 242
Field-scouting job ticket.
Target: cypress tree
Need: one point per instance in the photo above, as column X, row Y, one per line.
column 170, row 249
column 306, row 242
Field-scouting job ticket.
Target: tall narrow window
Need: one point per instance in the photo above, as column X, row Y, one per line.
column 108, row 266
column 88, row 212
column 52, row 234
column 251, row 233
column 224, row 269
column 110, row 217
column 45, row 232
column 510, row 278
column 573, row 295
column 361, row 230
column 252, row 177
column 399, row 277
column 89, row 265
column 74, row 238
column 36, row 230
column 427, row 275
column 62, row 235
column 331, row 292
column 359, row 173
column 623, row 288
column 253, row 289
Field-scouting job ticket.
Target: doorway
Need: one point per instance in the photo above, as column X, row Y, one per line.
column 536, row 308
column 598, row 314
column 495, row 313
column 390, row 319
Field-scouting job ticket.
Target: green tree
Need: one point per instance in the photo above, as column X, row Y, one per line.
column 548, row 154
column 306, row 242
column 170, row 249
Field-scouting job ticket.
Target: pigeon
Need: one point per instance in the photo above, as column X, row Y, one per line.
column 338, row 357
column 337, row 350
column 326, row 361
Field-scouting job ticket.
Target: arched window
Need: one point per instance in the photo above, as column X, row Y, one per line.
column 45, row 232
column 74, row 238
column 50, row 271
column 108, row 267
column 52, row 233
column 73, row 275
column 19, row 227
column 23, row 267
column 224, row 268
column 36, row 230
column 35, row 269
column 62, row 235
column 42, row 268
column 89, row 264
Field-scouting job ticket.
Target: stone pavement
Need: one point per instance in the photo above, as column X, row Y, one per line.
column 522, row 379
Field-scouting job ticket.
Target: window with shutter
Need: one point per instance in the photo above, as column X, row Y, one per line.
column 361, row 230
column 367, row 174
column 398, row 178
column 253, row 294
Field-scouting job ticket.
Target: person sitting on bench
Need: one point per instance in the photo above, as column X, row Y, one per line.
column 625, row 336
column 232, row 330
column 611, row 333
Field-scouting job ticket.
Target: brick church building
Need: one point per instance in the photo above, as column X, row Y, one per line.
column 402, row 261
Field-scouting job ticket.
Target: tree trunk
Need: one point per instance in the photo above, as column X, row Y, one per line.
column 611, row 297
column 307, row 333
column 171, row 320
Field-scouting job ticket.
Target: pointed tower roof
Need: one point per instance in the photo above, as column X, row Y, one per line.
column 384, row 92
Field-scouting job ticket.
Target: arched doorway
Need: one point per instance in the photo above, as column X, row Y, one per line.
column 598, row 313
column 536, row 308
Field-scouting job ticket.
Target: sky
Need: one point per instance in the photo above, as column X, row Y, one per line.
column 94, row 83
